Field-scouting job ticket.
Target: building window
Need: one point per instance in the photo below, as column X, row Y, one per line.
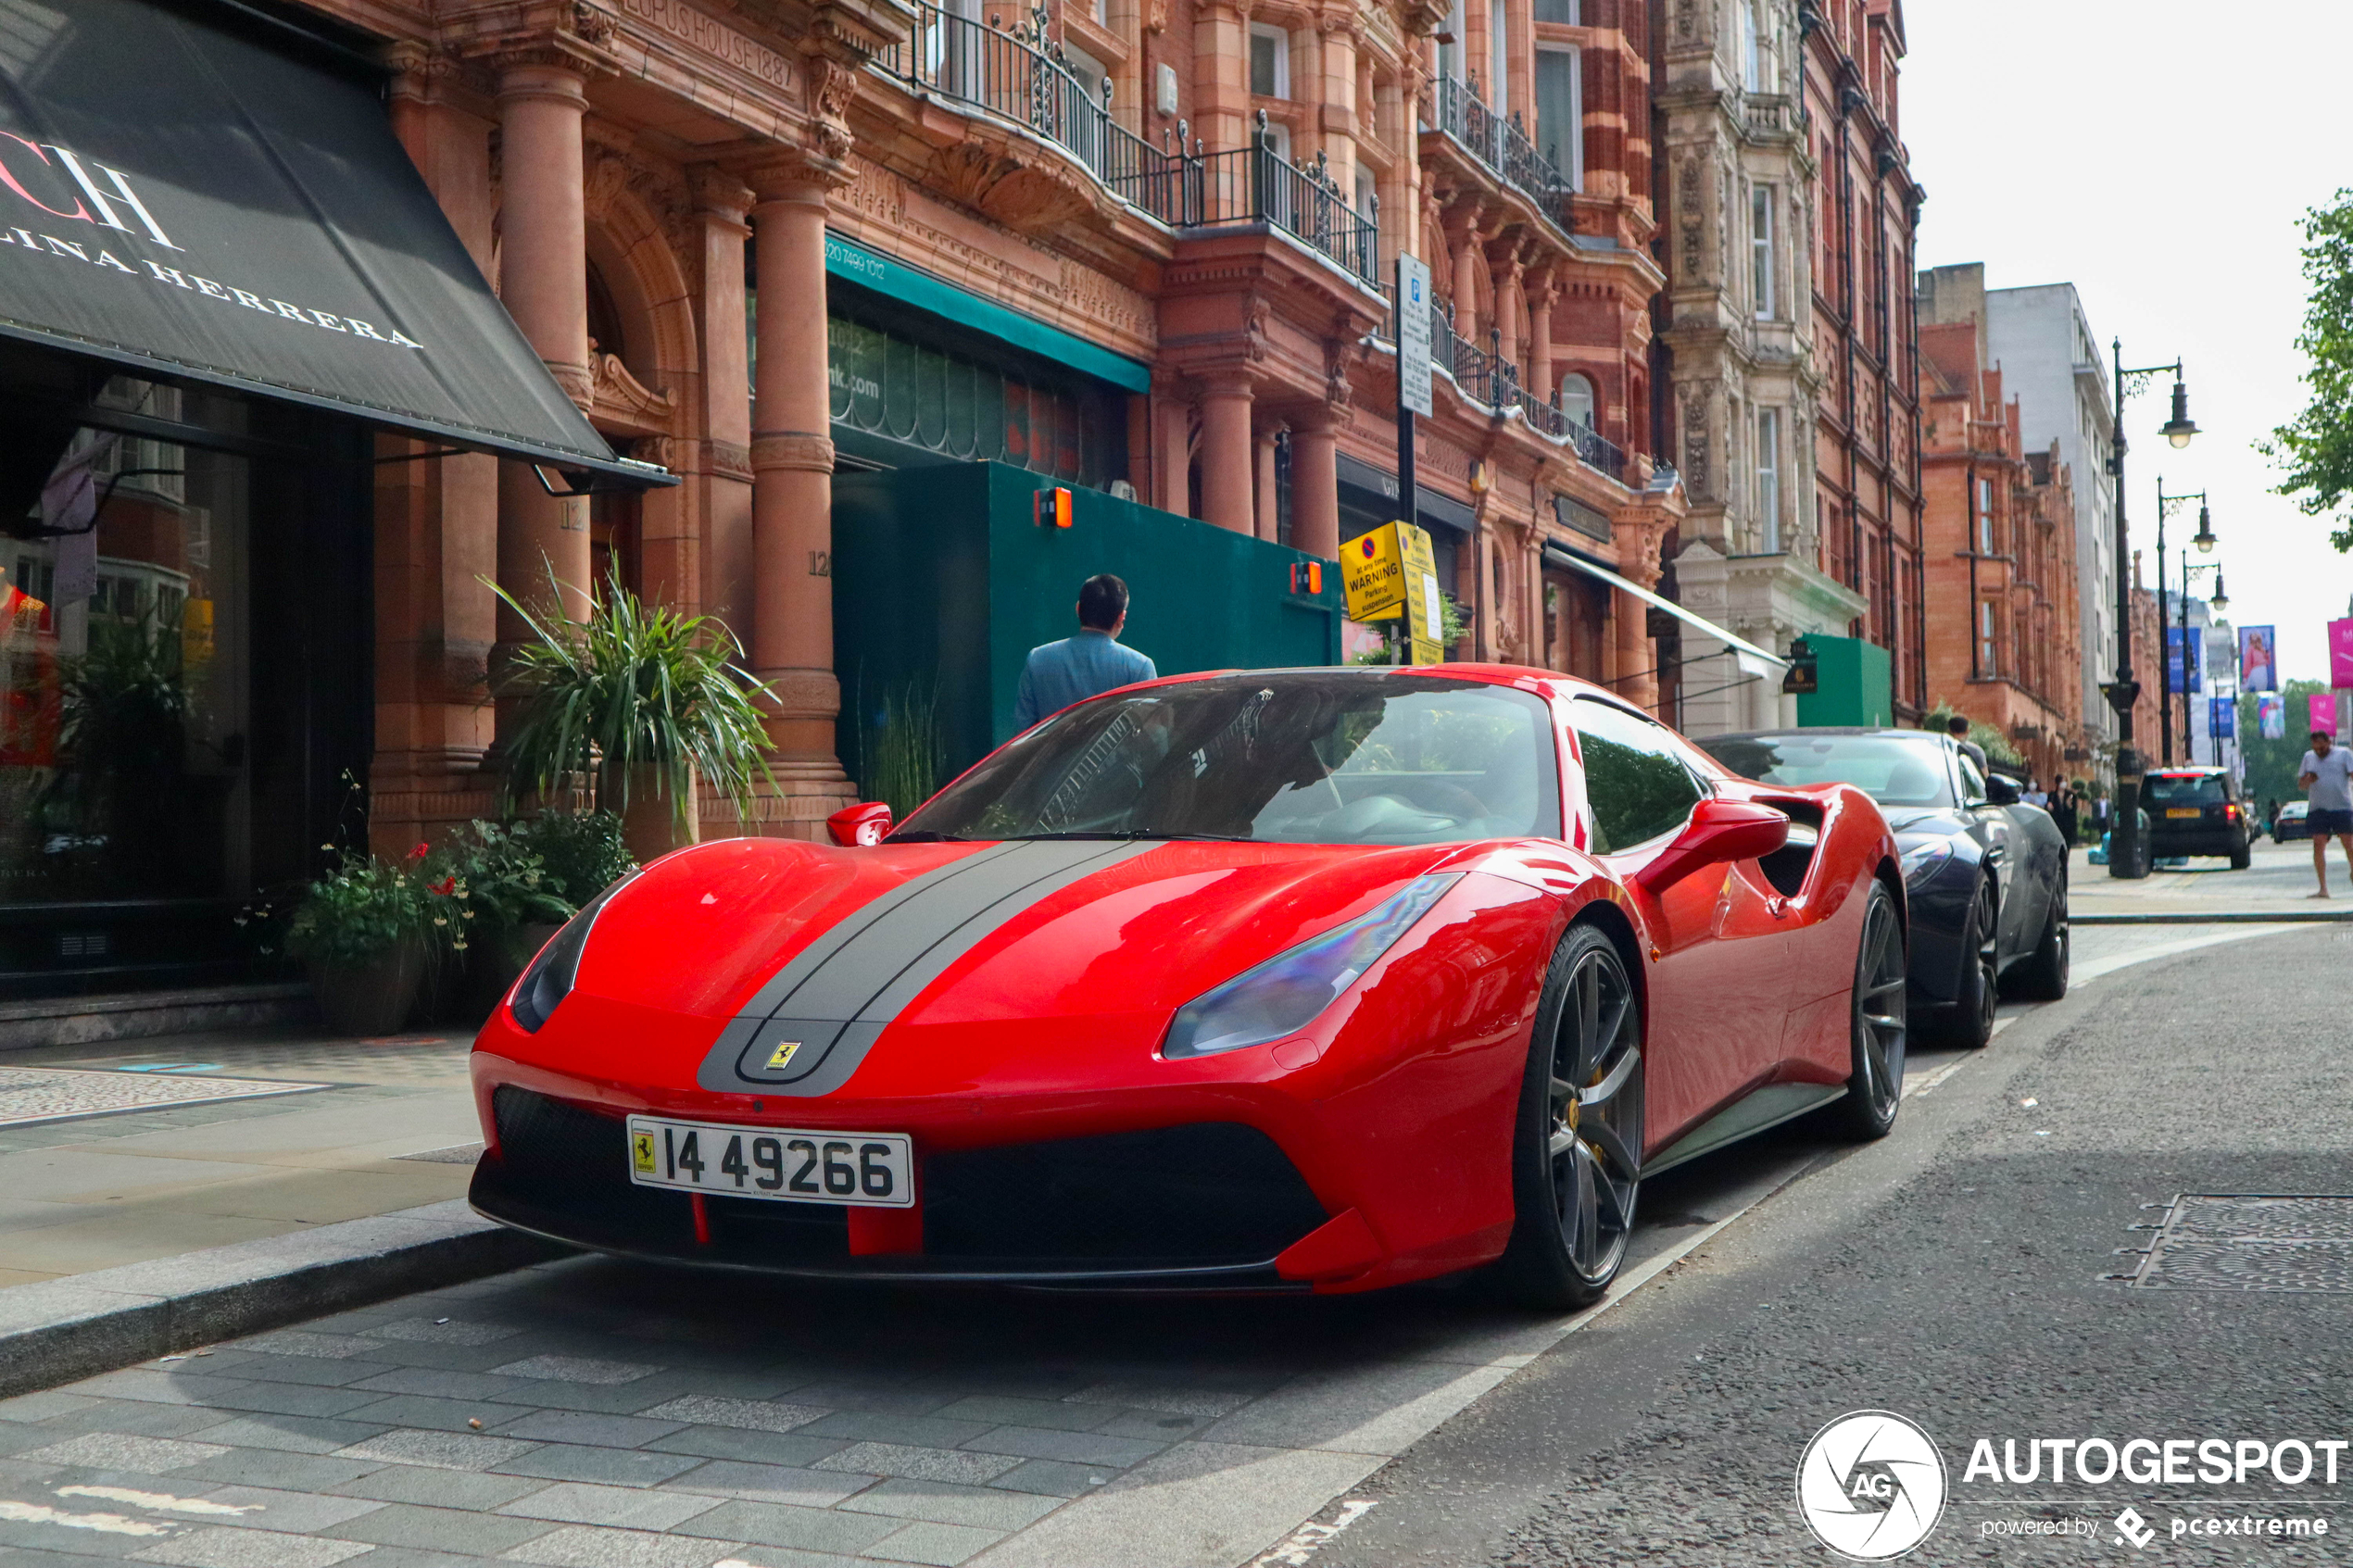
column 1759, row 72
column 1984, row 517
column 1565, row 12
column 1560, row 112
column 1769, row 480
column 1451, row 55
column 1576, row 398
column 1986, row 648
column 1269, row 61
column 1760, row 250
column 1499, row 50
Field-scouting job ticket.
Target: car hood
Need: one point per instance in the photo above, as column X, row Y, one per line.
column 946, row 932
column 1925, row 820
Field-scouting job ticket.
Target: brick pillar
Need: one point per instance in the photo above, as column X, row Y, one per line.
column 1314, row 483
column 1226, row 486
column 1268, row 507
column 1539, row 337
column 722, row 207
column 1505, row 279
column 544, row 283
column 792, row 487
column 1172, row 452
column 1221, row 76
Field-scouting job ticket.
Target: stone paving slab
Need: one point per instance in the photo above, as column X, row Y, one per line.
column 29, row 1094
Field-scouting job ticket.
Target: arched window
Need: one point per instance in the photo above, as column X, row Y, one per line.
column 1576, row 398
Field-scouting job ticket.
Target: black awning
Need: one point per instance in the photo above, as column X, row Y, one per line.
column 182, row 202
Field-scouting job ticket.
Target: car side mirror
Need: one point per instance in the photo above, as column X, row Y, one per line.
column 865, row 824
column 1719, row 831
column 2000, row 791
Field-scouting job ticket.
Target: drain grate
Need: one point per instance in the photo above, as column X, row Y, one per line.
column 2249, row 1241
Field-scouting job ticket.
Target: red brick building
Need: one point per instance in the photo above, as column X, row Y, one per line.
column 2001, row 621
column 1866, row 214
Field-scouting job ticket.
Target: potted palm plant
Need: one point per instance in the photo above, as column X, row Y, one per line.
column 639, row 701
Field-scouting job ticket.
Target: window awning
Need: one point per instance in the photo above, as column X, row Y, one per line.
column 1745, row 653
column 846, row 258
column 183, row 203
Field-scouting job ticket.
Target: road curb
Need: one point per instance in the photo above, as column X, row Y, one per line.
column 2224, row 917
column 59, row 1330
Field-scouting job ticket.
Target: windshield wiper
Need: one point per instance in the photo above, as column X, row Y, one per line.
column 1145, row 834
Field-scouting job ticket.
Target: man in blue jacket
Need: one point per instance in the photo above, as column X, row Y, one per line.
column 1061, row 673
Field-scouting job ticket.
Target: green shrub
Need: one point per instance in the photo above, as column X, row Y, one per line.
column 580, row 853
column 365, row 908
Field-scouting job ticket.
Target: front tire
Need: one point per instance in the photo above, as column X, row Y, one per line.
column 1576, row 1148
column 1875, row 1090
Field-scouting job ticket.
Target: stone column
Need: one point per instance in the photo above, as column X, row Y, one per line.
column 1225, row 487
column 1465, row 242
column 1540, row 336
column 1268, row 505
column 1504, row 280
column 544, row 283
column 1314, row 482
column 1637, row 680
column 723, row 205
column 792, row 466
column 1337, row 111
column 1172, row 452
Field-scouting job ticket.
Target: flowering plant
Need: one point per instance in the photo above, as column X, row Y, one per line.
column 364, row 907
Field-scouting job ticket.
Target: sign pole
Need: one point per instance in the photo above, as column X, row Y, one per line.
column 1413, row 307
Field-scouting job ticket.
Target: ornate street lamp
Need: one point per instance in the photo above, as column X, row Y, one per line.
column 2203, row 537
column 2166, row 506
column 2220, row 601
column 2127, row 850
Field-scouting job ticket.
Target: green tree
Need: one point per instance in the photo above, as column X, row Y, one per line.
column 2271, row 764
column 2316, row 449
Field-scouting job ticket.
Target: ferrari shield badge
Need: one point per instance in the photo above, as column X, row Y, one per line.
column 641, row 1151
column 781, row 1058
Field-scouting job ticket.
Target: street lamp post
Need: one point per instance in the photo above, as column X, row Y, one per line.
column 2166, row 506
column 2127, row 850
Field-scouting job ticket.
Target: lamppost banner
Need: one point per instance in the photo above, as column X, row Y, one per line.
column 2271, row 716
column 2259, row 669
column 2223, row 721
column 2341, row 652
column 2321, row 710
column 2182, row 658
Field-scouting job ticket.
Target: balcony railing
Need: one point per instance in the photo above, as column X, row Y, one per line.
column 1019, row 74
column 1484, row 375
column 1504, row 148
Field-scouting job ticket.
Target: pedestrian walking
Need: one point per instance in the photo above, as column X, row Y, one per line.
column 1057, row 674
column 1957, row 727
column 2064, row 806
column 2326, row 774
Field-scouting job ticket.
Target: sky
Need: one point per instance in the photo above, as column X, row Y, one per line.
column 2161, row 163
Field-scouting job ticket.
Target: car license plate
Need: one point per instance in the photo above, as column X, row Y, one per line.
column 2183, row 812
column 785, row 1164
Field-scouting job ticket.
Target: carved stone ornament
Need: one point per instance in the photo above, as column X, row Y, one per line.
column 620, row 395
column 1030, row 190
column 1156, row 16
column 591, row 25
column 657, row 449
column 729, row 458
column 802, row 694
column 795, row 450
column 832, row 86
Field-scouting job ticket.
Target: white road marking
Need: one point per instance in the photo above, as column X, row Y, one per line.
column 110, row 1523
column 162, row 1502
column 1295, row 1548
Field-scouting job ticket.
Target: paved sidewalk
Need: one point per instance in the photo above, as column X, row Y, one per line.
column 2277, row 882
column 100, row 1190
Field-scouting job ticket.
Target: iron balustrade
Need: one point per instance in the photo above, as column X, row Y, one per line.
column 1504, row 148
column 1020, row 75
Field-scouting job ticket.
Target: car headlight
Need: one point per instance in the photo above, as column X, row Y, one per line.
column 1921, row 859
column 1285, row 992
column 550, row 977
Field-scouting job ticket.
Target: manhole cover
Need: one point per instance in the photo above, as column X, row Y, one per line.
column 2248, row 1241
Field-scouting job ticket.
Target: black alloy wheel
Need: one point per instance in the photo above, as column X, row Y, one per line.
column 1875, row 1091
column 1577, row 1156
column 2043, row 977
column 1968, row 1023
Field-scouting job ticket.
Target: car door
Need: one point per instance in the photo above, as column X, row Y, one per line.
column 1720, row 943
column 1998, row 833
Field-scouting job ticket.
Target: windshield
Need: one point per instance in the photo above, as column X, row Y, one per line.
column 1890, row 768
column 2185, row 789
column 1296, row 757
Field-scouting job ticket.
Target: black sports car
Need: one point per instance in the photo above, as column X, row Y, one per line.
column 1986, row 877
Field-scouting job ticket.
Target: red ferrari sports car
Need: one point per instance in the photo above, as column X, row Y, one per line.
column 1306, row 979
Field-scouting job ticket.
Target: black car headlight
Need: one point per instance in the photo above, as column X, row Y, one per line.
column 550, row 977
column 1285, row 992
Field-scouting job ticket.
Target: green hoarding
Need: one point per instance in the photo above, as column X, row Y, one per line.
column 943, row 582
column 1856, row 683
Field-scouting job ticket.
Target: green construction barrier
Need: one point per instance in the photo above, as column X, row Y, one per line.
column 1855, row 684
column 943, row 582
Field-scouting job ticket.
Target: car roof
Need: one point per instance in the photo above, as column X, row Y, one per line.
column 2182, row 773
column 1829, row 730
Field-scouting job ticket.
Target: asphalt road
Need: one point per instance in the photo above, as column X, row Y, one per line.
column 588, row 1413
column 1955, row 1274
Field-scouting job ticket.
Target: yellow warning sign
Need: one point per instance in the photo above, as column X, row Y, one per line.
column 641, row 1151
column 781, row 1058
column 1392, row 574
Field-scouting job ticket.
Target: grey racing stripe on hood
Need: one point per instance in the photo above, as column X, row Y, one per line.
column 835, row 998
